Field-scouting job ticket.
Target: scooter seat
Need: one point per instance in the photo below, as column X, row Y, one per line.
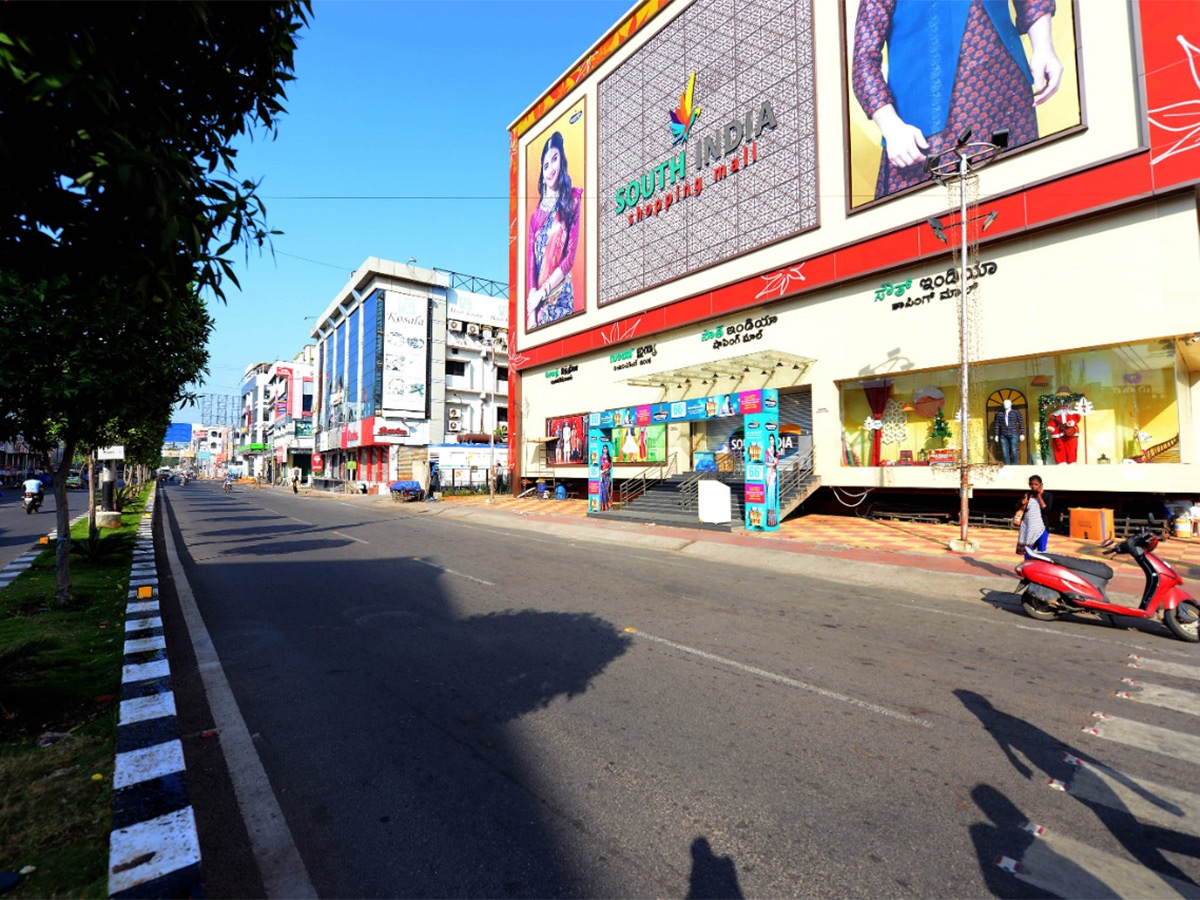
column 1091, row 567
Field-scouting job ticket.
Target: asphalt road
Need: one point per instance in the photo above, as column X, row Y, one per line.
column 447, row 707
column 20, row 530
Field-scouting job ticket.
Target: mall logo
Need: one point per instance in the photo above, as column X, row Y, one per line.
column 685, row 115
column 728, row 150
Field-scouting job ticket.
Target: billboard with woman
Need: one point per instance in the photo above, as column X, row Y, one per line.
column 555, row 283
column 921, row 72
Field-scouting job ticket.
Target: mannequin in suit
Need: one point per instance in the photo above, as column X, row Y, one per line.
column 1008, row 430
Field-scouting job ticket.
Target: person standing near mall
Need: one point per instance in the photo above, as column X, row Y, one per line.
column 1033, row 517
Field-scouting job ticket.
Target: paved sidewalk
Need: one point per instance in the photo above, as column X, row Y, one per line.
column 912, row 556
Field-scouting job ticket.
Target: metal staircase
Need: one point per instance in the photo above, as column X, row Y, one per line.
column 674, row 500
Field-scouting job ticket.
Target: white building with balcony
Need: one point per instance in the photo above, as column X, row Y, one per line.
column 408, row 360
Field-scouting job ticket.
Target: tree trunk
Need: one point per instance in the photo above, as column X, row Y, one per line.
column 92, row 495
column 62, row 547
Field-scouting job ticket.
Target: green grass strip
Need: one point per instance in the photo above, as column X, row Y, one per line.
column 60, row 671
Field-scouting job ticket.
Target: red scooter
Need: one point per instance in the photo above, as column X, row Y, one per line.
column 1053, row 585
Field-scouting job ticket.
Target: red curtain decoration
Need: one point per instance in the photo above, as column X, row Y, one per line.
column 878, row 393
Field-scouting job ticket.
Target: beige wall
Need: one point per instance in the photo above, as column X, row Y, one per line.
column 1125, row 277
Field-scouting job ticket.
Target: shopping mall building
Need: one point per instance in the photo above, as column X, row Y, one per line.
column 738, row 267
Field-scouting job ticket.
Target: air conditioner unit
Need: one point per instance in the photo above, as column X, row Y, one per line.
column 454, row 325
column 487, row 334
column 454, row 426
column 455, row 413
column 472, row 328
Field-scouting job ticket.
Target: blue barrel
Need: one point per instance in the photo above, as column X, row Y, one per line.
column 541, row 488
column 560, row 492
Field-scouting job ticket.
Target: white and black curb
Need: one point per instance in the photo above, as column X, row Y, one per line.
column 154, row 850
column 10, row 572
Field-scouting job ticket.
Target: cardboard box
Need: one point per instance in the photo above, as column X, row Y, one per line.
column 1092, row 524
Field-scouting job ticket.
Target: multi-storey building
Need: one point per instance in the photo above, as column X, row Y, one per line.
column 738, row 267
column 407, row 359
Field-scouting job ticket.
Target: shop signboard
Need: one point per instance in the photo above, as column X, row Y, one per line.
column 405, row 352
column 318, row 463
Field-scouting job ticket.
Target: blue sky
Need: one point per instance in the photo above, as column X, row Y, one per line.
column 392, row 99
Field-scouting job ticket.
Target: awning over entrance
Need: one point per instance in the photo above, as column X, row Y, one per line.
column 758, row 367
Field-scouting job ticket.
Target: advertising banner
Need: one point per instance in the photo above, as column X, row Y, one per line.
column 919, row 73
column 762, row 465
column 405, row 352
column 707, row 143
column 600, row 466
column 553, row 259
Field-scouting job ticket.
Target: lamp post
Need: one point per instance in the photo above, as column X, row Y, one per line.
column 962, row 160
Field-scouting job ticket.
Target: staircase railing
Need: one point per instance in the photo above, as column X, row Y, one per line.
column 794, row 474
column 689, row 487
column 629, row 489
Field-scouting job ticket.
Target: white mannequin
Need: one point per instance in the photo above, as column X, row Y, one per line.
column 1007, row 410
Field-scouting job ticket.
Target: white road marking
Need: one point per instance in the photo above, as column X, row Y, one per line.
column 1147, row 737
column 1171, row 698
column 279, row 862
column 426, row 562
column 145, row 763
column 152, row 848
column 1146, row 801
column 143, row 709
column 301, row 521
column 350, row 536
column 1166, row 668
column 783, row 679
column 1068, row 868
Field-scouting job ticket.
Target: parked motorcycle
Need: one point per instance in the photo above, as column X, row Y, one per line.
column 1053, row 585
column 32, row 503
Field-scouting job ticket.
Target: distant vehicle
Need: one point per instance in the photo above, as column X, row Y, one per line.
column 74, row 479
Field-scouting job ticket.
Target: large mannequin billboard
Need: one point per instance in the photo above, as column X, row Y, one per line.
column 922, row 72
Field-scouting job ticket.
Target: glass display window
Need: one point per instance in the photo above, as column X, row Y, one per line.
column 1095, row 406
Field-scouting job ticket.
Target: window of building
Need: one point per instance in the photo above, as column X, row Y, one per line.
column 1106, row 405
column 502, row 373
column 307, row 398
column 456, row 367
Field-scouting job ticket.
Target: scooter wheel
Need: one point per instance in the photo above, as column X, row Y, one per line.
column 1036, row 609
column 1184, row 621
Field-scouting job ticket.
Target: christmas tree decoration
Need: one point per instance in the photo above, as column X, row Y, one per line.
column 940, row 428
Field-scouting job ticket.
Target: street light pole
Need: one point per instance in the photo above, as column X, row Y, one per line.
column 964, row 484
column 960, row 161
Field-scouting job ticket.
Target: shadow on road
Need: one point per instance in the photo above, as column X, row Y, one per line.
column 389, row 720
column 1033, row 752
column 713, row 877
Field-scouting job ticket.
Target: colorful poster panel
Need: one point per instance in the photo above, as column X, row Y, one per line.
column 553, row 259
column 761, row 431
column 600, row 467
column 921, row 72
column 640, row 444
column 572, row 436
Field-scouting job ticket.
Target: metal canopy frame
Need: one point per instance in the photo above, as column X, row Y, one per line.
column 760, row 364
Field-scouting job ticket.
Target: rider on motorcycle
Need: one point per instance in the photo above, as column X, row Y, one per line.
column 33, row 486
column 34, row 490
